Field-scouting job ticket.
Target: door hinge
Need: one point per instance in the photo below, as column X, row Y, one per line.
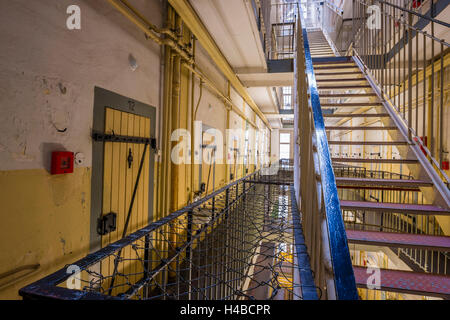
column 105, row 137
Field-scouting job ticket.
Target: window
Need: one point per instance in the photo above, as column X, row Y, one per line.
column 285, row 138
column 287, row 97
column 285, row 146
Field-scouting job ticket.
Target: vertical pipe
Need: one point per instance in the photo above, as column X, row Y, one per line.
column 431, row 120
column 409, row 77
column 424, row 83
column 441, row 108
column 417, row 84
column 189, row 252
column 192, row 126
column 404, row 72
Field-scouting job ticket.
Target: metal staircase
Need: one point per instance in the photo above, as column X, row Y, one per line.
column 381, row 210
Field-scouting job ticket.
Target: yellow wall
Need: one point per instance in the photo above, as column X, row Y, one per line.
column 44, row 220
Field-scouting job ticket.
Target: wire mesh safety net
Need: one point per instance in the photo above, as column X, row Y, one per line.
column 238, row 245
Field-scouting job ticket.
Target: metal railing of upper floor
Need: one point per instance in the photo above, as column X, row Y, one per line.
column 315, row 181
column 242, row 242
column 277, row 26
column 408, row 66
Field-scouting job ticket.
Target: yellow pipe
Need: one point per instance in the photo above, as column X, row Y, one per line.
column 192, row 127
column 141, row 22
column 228, row 126
column 430, row 119
column 147, row 29
column 167, row 32
column 226, row 100
column 191, row 19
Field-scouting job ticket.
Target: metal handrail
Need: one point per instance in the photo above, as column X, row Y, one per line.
column 324, row 217
column 61, row 275
column 416, row 13
column 203, row 251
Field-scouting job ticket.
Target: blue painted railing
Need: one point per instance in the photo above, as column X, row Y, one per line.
column 344, row 279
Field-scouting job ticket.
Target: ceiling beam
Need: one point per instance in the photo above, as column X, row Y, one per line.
column 194, row 23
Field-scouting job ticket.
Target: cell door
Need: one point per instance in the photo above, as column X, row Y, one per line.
column 208, row 163
column 122, row 183
column 234, row 160
column 126, row 181
column 121, row 166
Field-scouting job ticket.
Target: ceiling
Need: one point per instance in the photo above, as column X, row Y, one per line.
column 232, row 24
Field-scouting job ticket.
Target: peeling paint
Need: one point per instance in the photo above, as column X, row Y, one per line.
column 63, row 245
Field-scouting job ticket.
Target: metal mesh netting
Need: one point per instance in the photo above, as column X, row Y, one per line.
column 238, row 244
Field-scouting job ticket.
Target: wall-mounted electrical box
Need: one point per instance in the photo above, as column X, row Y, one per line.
column 62, row 162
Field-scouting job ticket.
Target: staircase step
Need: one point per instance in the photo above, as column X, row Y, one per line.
column 358, row 160
column 346, row 95
column 368, row 143
column 340, row 80
column 406, row 282
column 356, row 115
column 352, row 104
column 335, row 60
column 335, row 67
column 321, row 49
column 358, row 182
column 338, row 73
column 347, row 87
column 360, row 128
column 394, row 207
column 321, row 55
column 399, row 240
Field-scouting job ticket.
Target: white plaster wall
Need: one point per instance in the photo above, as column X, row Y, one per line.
column 275, row 144
column 48, row 73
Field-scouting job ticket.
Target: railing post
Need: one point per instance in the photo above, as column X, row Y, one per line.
column 409, row 30
column 189, row 251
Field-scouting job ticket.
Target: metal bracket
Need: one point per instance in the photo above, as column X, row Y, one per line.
column 107, row 224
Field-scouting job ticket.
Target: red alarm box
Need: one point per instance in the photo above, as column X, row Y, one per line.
column 62, row 162
column 445, row 165
column 424, row 142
